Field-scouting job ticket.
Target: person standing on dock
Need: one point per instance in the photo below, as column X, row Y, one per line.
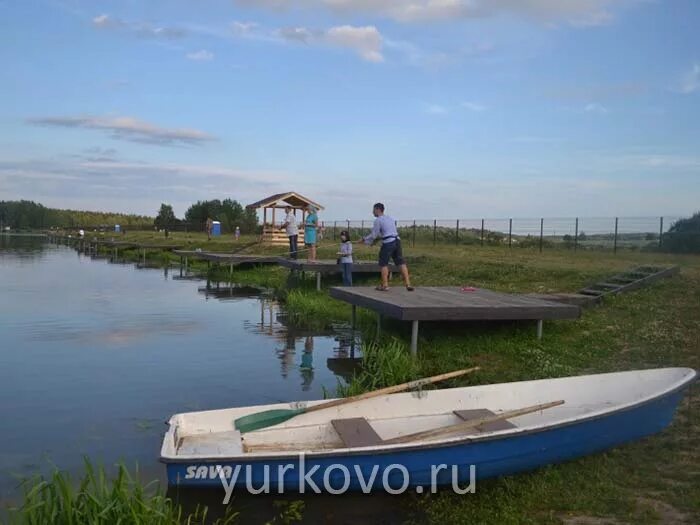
column 310, row 232
column 384, row 228
column 345, row 257
column 237, row 233
column 290, row 224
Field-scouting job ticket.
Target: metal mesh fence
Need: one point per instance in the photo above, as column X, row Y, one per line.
column 540, row 233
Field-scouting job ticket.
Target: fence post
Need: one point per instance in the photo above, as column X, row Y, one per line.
column 541, row 233
column 510, row 233
column 414, row 233
column 615, row 238
column 576, row 236
column 362, row 228
column 434, row 231
column 661, row 230
column 348, row 226
column 335, row 226
column 482, row 232
column 457, row 233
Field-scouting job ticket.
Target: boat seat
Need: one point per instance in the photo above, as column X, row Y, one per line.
column 356, row 432
column 478, row 413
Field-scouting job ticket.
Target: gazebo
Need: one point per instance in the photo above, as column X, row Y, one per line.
column 271, row 233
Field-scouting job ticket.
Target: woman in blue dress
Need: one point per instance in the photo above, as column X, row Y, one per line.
column 310, row 227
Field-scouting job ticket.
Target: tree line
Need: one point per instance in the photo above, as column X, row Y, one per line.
column 230, row 213
column 30, row 215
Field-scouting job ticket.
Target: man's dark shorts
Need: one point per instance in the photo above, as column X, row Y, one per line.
column 391, row 250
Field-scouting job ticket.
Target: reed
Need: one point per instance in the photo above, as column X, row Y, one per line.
column 98, row 499
column 383, row 364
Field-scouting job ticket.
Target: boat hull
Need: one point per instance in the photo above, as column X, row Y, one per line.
column 493, row 456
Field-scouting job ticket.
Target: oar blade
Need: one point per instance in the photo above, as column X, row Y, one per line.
column 265, row 419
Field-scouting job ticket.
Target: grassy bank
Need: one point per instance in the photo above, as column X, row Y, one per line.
column 656, row 480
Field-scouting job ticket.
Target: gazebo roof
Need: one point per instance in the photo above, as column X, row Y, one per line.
column 291, row 198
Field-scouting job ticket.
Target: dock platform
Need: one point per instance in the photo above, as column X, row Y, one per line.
column 330, row 266
column 452, row 303
column 230, row 259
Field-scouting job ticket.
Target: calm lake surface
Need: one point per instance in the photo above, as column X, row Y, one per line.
column 96, row 356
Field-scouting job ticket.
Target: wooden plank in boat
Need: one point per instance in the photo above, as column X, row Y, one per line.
column 478, row 413
column 356, row 432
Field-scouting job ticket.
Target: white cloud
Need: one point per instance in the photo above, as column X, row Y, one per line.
column 578, row 12
column 140, row 29
column 690, row 83
column 595, row 107
column 129, row 128
column 297, row 34
column 132, row 186
column 365, row 41
column 473, row 106
column 201, row 56
column 243, row 28
column 436, row 109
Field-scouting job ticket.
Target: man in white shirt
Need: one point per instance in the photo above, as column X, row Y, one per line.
column 384, row 229
column 290, row 224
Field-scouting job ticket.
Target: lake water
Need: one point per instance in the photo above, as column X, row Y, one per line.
column 95, row 357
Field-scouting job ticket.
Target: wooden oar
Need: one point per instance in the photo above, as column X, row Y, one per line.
column 269, row 418
column 465, row 425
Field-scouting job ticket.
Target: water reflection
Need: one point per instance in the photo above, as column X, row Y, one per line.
column 294, row 346
column 102, row 353
column 21, row 248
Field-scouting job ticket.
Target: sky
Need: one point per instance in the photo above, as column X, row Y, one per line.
column 438, row 108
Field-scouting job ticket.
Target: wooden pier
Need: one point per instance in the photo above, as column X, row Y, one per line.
column 230, row 259
column 330, row 266
column 451, row 303
column 90, row 245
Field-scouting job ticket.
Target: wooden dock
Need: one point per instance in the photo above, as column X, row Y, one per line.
column 230, row 259
column 451, row 303
column 330, row 266
column 90, row 245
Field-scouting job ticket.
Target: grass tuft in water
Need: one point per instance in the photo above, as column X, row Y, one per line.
column 383, row 364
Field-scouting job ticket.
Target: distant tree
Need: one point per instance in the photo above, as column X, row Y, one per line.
column 229, row 212
column 683, row 236
column 165, row 218
column 197, row 214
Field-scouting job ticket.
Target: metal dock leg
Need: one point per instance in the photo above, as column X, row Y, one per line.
column 414, row 338
column 354, row 318
column 318, row 281
column 539, row 329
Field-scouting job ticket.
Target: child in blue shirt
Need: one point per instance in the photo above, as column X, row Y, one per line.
column 345, row 259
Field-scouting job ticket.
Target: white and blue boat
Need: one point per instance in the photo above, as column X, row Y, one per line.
column 347, row 446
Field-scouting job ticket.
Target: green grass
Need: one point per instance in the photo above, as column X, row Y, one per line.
column 97, row 499
column 383, row 364
column 656, row 480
